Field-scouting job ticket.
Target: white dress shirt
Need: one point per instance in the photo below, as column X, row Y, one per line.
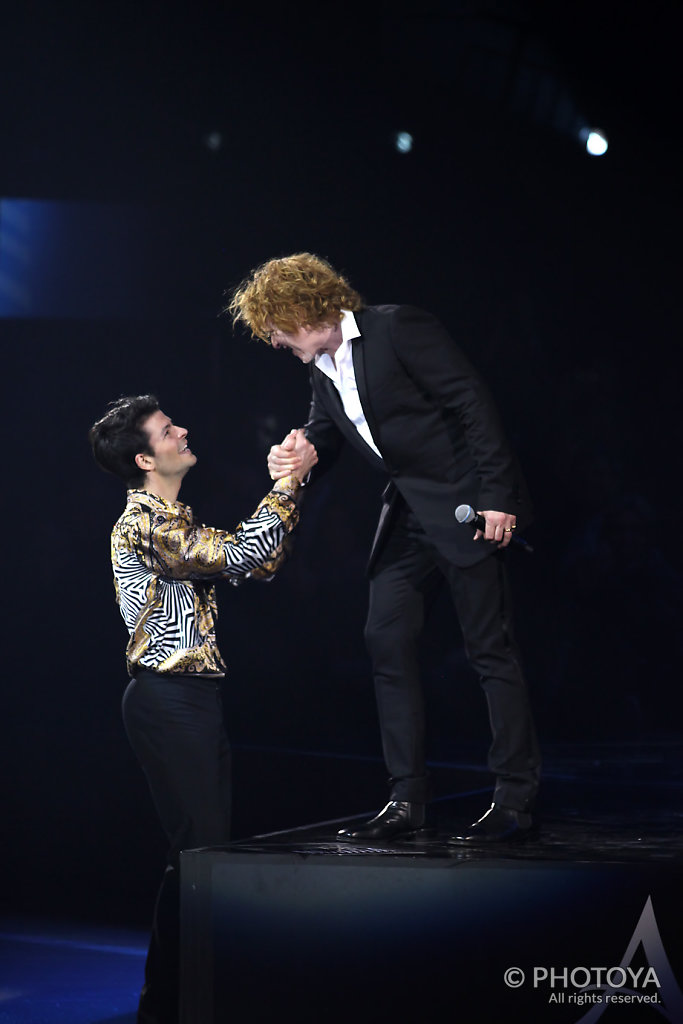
column 341, row 373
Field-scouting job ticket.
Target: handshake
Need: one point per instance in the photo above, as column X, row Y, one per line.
column 295, row 456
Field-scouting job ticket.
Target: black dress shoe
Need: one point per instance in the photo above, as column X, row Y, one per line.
column 499, row 824
column 398, row 818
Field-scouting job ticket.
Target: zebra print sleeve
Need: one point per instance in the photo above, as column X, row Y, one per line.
column 170, row 544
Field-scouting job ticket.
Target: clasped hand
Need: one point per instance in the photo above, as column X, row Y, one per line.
column 296, row 455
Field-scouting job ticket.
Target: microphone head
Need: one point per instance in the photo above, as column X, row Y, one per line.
column 465, row 513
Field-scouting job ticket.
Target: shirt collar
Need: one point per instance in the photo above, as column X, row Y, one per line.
column 349, row 326
column 349, row 331
column 136, row 496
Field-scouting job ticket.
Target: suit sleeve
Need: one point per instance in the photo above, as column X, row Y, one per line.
column 443, row 372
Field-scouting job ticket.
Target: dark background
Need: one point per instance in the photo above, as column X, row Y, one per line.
column 559, row 273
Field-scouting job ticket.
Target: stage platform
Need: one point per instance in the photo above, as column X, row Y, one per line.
column 581, row 922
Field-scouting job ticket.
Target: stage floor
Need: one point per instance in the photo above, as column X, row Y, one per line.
column 297, row 924
column 579, row 921
column 618, row 803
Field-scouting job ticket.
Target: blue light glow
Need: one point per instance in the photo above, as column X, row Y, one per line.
column 403, row 142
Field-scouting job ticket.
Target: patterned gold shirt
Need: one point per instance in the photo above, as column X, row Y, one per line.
column 165, row 565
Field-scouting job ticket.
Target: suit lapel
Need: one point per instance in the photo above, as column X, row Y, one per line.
column 358, row 351
column 332, row 396
column 333, row 402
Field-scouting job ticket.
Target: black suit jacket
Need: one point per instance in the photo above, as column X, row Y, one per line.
column 432, row 419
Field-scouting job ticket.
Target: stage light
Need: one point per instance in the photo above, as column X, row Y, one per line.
column 213, row 141
column 594, row 140
column 403, row 141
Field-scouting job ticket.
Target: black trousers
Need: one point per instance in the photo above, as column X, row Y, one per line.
column 402, row 583
column 175, row 726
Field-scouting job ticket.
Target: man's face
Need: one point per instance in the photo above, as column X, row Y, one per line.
column 170, row 452
column 308, row 342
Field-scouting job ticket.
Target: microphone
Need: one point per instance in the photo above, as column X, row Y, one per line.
column 466, row 514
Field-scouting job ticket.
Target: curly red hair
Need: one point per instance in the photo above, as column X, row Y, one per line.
column 291, row 292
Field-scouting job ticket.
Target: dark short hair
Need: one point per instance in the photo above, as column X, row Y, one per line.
column 119, row 436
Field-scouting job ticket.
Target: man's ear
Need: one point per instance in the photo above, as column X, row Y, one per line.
column 144, row 462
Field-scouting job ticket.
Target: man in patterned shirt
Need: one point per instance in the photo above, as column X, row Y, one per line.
column 165, row 567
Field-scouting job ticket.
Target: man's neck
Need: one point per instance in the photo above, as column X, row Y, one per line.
column 166, row 488
column 334, row 342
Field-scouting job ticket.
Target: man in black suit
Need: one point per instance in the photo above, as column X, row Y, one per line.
column 392, row 382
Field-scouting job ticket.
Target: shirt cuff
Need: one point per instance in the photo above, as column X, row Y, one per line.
column 290, row 485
